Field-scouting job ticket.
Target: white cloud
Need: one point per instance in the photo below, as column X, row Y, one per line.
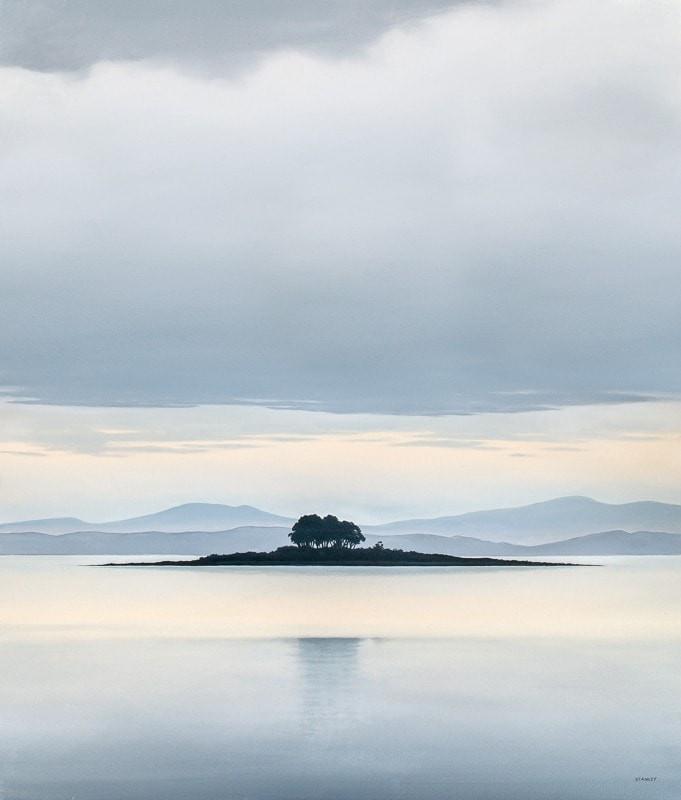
column 475, row 214
column 100, row 463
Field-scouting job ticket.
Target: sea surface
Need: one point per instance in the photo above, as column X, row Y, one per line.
column 285, row 683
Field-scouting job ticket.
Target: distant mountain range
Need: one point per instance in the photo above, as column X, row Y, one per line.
column 607, row 543
column 576, row 525
column 187, row 517
column 269, row 538
column 545, row 522
column 531, row 524
column 160, row 542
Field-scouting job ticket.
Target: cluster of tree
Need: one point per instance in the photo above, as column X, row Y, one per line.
column 313, row 531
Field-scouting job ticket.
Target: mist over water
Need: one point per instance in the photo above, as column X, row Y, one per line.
column 329, row 683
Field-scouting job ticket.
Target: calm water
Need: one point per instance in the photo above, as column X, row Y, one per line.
column 289, row 683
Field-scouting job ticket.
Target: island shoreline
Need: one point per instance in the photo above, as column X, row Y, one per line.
column 362, row 557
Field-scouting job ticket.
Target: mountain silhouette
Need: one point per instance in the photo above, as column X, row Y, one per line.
column 186, row 517
column 546, row 521
column 480, row 532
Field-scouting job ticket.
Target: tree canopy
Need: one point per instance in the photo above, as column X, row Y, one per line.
column 311, row 530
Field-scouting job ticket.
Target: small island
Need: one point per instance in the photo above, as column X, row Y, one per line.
column 332, row 542
column 376, row 556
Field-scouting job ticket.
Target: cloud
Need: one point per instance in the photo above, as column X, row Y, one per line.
column 23, row 453
column 206, row 34
column 565, row 449
column 176, row 448
column 424, row 440
column 476, row 214
column 101, row 463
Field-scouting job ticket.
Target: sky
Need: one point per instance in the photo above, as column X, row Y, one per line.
column 383, row 259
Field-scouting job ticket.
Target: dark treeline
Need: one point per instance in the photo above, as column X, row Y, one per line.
column 376, row 556
column 311, row 531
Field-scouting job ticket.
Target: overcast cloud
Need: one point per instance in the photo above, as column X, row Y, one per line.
column 206, row 34
column 478, row 212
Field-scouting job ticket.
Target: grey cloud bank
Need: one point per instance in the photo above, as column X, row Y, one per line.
column 211, row 34
column 476, row 214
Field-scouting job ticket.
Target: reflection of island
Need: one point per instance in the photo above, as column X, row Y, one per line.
column 377, row 556
column 328, row 672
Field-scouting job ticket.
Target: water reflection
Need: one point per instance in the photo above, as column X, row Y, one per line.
column 547, row 685
column 329, row 719
column 56, row 598
column 329, row 673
